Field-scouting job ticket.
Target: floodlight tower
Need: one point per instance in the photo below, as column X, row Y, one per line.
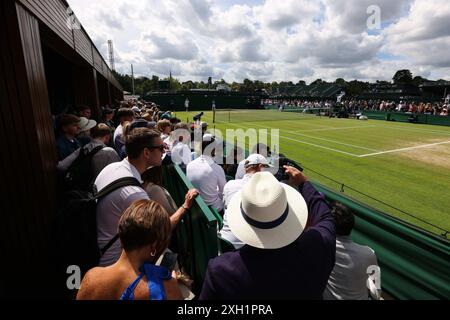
column 111, row 55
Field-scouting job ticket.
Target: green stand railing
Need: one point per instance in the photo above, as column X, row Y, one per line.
column 196, row 233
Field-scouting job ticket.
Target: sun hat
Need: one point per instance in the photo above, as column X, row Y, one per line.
column 208, row 138
column 86, row 124
column 267, row 214
column 255, row 159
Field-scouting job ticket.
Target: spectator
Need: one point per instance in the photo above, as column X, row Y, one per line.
column 144, row 232
column 108, row 116
column 281, row 260
column 231, row 162
column 101, row 135
column 84, row 111
column 349, row 278
column 85, row 130
column 181, row 153
column 124, row 115
column 207, row 176
column 67, row 142
column 165, row 128
column 254, row 164
column 261, row 149
column 153, row 185
column 130, row 126
column 144, row 149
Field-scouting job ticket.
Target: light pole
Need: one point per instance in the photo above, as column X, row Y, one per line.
column 214, row 111
column 186, row 104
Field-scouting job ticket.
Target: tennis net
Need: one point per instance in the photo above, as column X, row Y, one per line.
column 236, row 116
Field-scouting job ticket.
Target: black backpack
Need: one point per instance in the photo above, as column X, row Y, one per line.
column 80, row 176
column 75, row 234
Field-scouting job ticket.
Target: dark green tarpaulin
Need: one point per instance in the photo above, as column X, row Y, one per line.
column 406, row 117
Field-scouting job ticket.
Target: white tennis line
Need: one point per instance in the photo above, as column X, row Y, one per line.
column 403, row 149
column 333, row 129
column 328, row 140
column 337, row 142
column 351, row 154
column 307, row 123
column 307, row 143
column 416, row 130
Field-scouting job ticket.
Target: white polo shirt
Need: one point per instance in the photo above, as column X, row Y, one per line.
column 240, row 173
column 209, row 179
column 181, row 154
column 231, row 188
column 111, row 208
column 118, row 138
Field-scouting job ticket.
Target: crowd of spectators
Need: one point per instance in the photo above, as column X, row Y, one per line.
column 268, row 221
column 412, row 107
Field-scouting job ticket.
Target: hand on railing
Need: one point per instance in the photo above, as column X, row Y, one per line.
column 189, row 199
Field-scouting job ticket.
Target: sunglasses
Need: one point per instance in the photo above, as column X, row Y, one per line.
column 161, row 147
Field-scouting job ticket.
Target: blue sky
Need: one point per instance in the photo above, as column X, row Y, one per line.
column 272, row 40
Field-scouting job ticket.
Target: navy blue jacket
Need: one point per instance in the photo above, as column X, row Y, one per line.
column 66, row 147
column 298, row 271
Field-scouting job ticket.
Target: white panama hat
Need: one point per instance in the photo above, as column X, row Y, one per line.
column 86, row 124
column 267, row 214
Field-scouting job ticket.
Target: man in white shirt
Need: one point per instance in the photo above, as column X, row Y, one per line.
column 349, row 279
column 145, row 149
column 180, row 152
column 253, row 164
column 207, row 176
column 261, row 149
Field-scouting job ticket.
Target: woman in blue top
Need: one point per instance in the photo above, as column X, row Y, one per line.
column 144, row 232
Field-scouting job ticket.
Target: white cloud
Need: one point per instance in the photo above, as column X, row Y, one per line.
column 424, row 35
column 271, row 40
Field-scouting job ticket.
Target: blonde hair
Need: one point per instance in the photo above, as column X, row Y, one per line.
column 162, row 124
column 147, row 116
column 145, row 223
column 126, row 129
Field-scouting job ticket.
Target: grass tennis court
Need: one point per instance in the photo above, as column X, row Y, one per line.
column 401, row 164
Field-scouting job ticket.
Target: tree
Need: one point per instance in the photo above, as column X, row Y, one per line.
column 175, row 85
column 355, row 87
column 340, row 81
column 417, row 81
column 188, row 85
column 155, row 83
column 236, row 87
column 202, row 85
column 403, row 77
column 147, row 86
column 248, row 86
column 318, row 81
